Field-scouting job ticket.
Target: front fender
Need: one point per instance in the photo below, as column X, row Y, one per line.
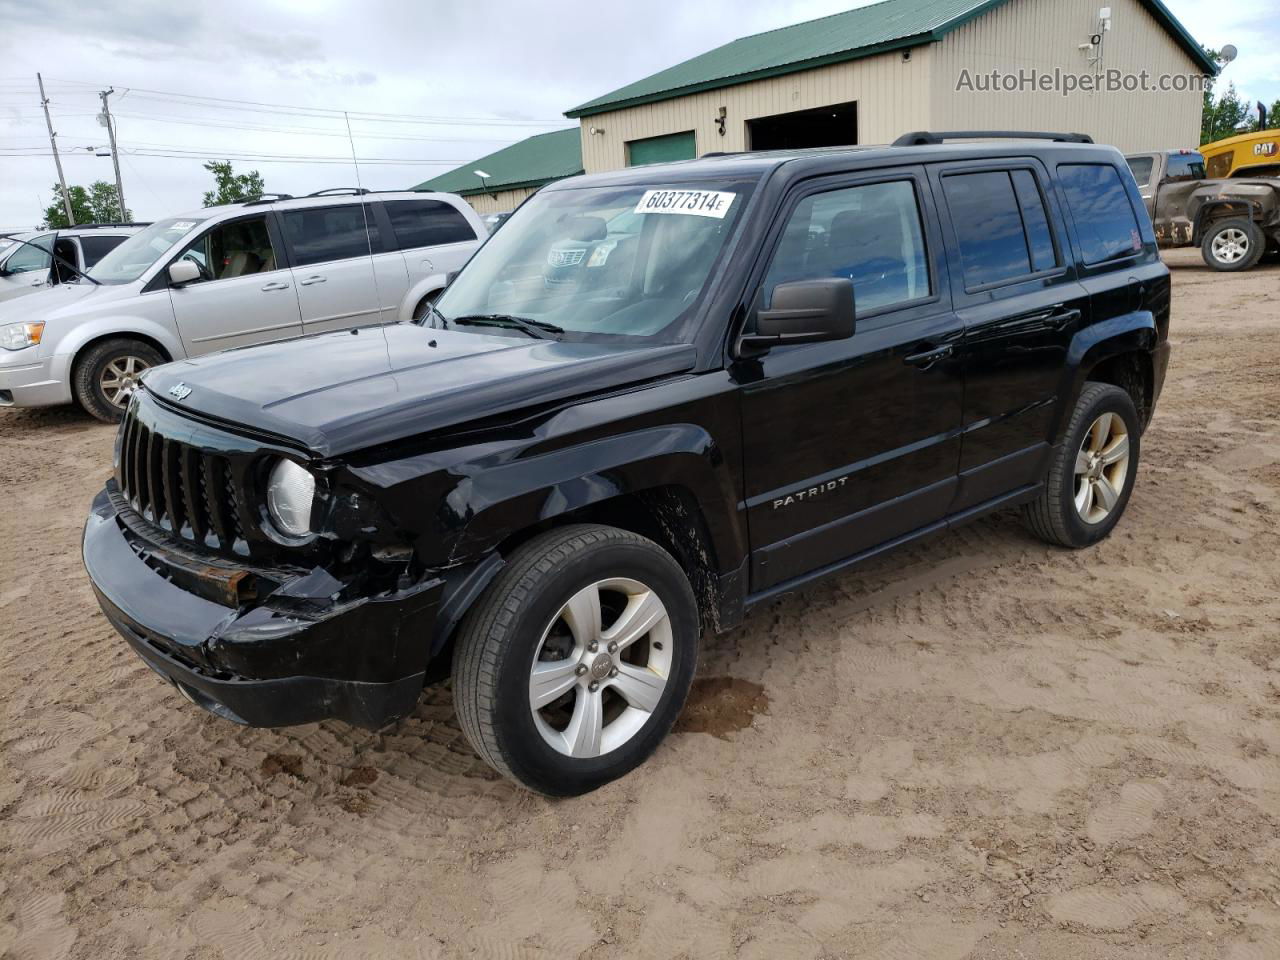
column 505, row 499
column 120, row 325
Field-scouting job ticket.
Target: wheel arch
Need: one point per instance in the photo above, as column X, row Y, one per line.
column 145, row 331
column 1116, row 351
column 419, row 292
column 668, row 514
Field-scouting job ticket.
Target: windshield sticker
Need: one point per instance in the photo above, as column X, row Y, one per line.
column 183, row 224
column 695, row 203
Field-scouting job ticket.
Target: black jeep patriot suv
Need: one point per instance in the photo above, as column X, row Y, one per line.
column 655, row 399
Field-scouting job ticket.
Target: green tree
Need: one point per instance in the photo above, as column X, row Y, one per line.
column 98, row 204
column 232, row 187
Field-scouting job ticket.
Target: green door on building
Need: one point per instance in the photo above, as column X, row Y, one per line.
column 673, row 146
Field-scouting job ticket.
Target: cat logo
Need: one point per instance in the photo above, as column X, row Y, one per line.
column 179, row 391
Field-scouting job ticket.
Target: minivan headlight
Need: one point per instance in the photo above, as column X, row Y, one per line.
column 16, row 336
column 291, row 489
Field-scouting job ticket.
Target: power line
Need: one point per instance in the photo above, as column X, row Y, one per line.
column 300, row 110
column 143, row 154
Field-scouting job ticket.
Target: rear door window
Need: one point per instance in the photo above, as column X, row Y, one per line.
column 427, row 223
column 95, row 248
column 1001, row 225
column 322, row 234
column 1099, row 203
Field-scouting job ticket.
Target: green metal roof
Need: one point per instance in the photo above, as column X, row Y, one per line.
column 529, row 163
column 889, row 25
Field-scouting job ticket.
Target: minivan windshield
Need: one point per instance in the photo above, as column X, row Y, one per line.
column 131, row 259
column 597, row 262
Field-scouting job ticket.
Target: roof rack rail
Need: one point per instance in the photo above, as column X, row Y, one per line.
column 267, row 198
column 90, row 226
column 919, row 138
column 334, row 191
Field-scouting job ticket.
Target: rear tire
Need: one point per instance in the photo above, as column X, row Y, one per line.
column 1233, row 245
column 539, row 689
column 1092, row 471
column 105, row 376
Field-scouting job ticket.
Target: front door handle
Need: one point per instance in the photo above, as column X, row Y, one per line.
column 928, row 358
column 312, row 279
column 275, row 285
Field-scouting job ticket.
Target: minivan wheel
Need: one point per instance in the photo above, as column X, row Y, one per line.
column 573, row 665
column 1236, row 244
column 106, row 376
column 1092, row 472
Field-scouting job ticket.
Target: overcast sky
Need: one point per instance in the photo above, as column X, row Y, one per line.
column 472, row 76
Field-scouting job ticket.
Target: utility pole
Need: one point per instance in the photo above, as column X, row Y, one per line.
column 115, row 156
column 57, row 161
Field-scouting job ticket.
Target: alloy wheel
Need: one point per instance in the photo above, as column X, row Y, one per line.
column 1231, row 246
column 1102, row 466
column 601, row 668
column 120, row 378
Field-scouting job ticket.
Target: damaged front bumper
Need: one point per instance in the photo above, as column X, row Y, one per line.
column 263, row 647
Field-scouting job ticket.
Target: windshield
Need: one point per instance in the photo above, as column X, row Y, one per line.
column 130, row 260
column 30, row 257
column 598, row 262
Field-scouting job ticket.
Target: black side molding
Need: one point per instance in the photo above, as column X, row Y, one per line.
column 919, row 138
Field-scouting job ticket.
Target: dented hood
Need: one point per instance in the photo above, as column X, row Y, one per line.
column 338, row 392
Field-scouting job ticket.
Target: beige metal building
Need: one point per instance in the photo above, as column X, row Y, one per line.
column 871, row 74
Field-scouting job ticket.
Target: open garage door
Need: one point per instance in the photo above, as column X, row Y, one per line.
column 833, row 126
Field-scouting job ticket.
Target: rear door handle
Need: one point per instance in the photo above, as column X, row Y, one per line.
column 1061, row 318
column 928, row 358
column 275, row 285
column 310, row 280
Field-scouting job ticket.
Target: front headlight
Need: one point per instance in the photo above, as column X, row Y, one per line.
column 291, row 489
column 16, row 336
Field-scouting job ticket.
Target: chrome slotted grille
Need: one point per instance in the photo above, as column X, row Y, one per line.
column 179, row 487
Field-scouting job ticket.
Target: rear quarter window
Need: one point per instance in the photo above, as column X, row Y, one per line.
column 427, row 223
column 1099, row 203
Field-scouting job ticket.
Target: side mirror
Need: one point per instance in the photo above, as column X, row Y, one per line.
column 182, row 273
column 805, row 311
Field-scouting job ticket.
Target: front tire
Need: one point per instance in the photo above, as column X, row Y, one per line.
column 573, row 665
column 106, row 376
column 1232, row 245
column 1092, row 472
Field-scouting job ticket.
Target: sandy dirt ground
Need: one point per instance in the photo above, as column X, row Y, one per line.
column 979, row 747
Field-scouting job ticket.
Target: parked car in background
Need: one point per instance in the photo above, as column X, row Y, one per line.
column 1233, row 222
column 231, row 276
column 31, row 261
column 788, row 364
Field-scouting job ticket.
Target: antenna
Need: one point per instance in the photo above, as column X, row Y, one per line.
column 364, row 211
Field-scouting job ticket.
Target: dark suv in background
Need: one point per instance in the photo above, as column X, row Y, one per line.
column 553, row 484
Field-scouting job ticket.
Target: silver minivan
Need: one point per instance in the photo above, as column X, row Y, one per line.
column 29, row 262
column 231, row 276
